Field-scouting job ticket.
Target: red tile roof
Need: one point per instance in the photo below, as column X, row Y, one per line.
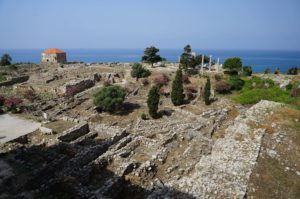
column 53, row 51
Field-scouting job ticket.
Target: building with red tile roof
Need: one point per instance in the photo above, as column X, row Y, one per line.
column 54, row 55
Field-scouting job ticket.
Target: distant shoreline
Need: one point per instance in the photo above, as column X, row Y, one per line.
column 258, row 59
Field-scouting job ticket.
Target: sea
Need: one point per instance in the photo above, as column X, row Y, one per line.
column 258, row 59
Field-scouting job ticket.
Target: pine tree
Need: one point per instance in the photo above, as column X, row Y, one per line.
column 150, row 55
column 153, row 100
column 177, row 95
column 207, row 92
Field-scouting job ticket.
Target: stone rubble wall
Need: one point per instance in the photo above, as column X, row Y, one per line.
column 75, row 86
column 15, row 80
column 74, row 132
column 225, row 172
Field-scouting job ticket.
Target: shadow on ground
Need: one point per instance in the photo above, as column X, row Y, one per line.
column 66, row 171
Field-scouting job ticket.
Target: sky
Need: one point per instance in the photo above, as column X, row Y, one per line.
column 205, row 24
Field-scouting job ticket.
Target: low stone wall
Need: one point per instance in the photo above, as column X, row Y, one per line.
column 75, row 86
column 14, row 80
column 74, row 132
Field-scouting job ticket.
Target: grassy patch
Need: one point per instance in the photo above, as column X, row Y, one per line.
column 258, row 89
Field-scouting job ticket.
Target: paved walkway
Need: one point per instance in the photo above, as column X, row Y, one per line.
column 12, row 127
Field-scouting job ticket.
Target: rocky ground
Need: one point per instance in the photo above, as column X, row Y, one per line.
column 224, row 150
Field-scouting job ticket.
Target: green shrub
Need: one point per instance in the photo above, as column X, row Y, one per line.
column 5, row 60
column 289, row 86
column 257, row 82
column 153, row 101
column 144, row 116
column 177, row 95
column 247, row 71
column 110, row 98
column 292, row 71
column 138, row 71
column 207, row 92
column 255, row 95
column 233, row 64
column 236, row 83
column 267, row 71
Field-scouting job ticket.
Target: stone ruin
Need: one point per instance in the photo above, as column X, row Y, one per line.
column 175, row 157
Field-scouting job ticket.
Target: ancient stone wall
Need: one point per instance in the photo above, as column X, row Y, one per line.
column 14, row 80
column 74, row 132
column 75, row 86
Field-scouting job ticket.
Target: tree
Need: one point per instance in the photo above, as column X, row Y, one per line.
column 267, row 71
column 207, row 92
column 138, row 71
column 150, row 55
column 277, row 71
column 177, row 95
column 233, row 64
column 292, row 71
column 236, row 83
column 186, row 57
column 5, row 60
column 153, row 101
column 197, row 60
column 247, row 71
column 110, row 98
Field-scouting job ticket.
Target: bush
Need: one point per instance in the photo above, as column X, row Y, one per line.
column 289, row 86
column 233, row 64
column 144, row 116
column 247, row 71
column 207, row 92
column 160, row 80
column 295, row 92
column 257, row 82
column 218, row 77
column 189, row 91
column 253, row 96
column 110, row 98
column 30, row 95
column 5, row 60
column 138, row 71
column 2, row 99
column 185, row 79
column 12, row 103
column 223, row 87
column 277, row 71
column 236, row 83
column 177, row 95
column 145, row 81
column 153, row 101
column 267, row 71
column 292, row 71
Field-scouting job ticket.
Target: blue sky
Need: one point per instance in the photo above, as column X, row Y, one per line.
column 205, row 24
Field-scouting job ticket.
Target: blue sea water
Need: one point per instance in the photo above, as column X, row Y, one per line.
column 258, row 59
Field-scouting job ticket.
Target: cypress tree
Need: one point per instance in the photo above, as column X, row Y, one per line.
column 177, row 95
column 207, row 92
column 153, row 100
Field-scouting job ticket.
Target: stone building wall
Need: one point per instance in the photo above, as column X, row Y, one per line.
column 54, row 58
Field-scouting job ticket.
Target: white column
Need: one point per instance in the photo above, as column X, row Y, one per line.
column 202, row 64
column 209, row 66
